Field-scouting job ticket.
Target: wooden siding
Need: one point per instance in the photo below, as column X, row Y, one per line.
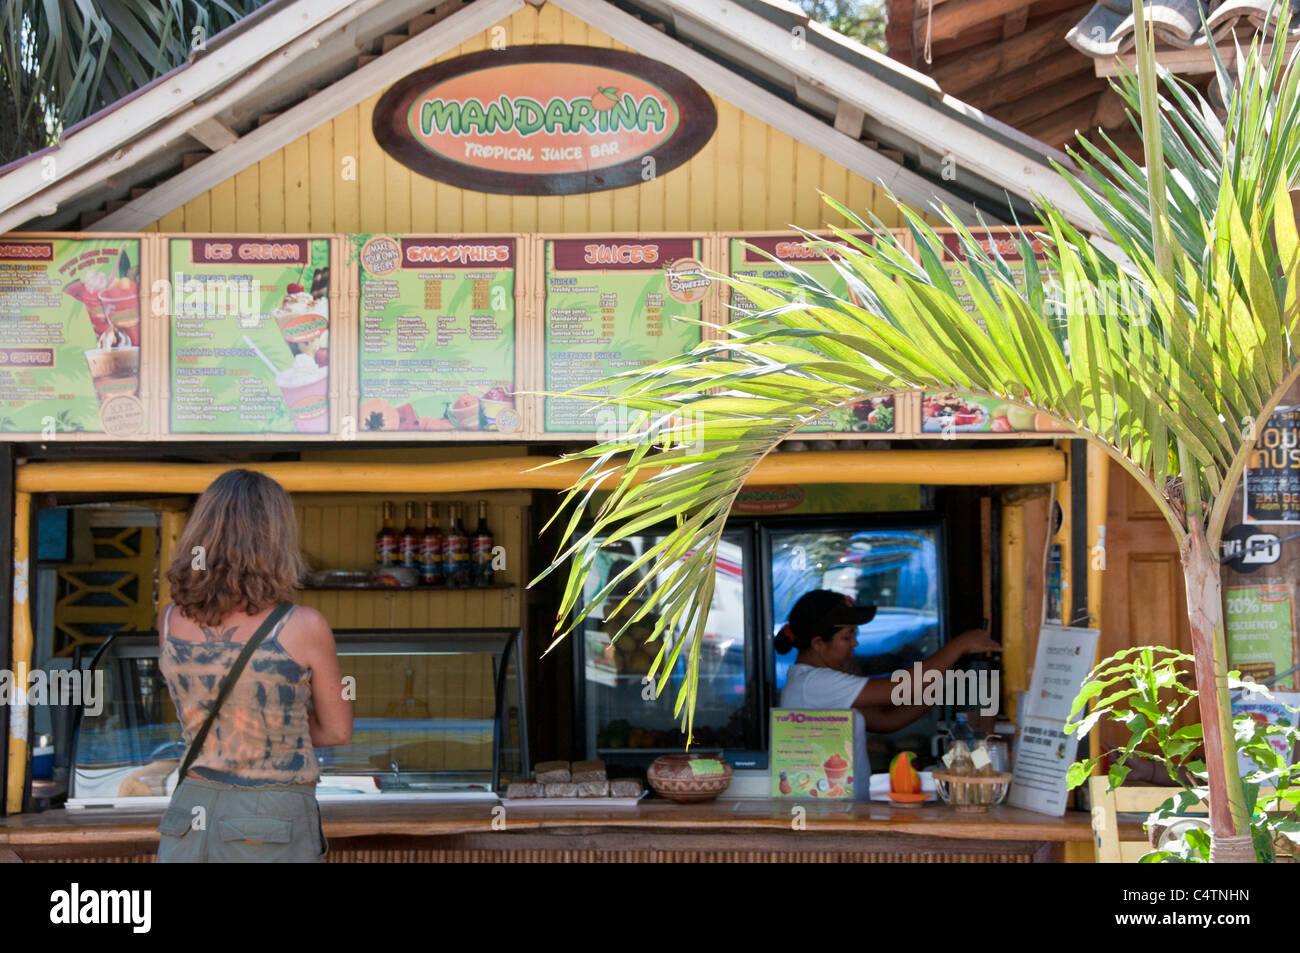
column 749, row 176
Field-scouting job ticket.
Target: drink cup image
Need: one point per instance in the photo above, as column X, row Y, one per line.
column 121, row 304
column 86, row 289
column 114, row 371
column 836, row 769
column 304, row 322
column 493, row 402
column 305, row 387
column 464, row 412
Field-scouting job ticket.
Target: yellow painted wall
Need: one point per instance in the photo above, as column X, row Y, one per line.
column 749, row 176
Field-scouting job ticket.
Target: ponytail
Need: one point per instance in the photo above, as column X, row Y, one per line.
column 784, row 640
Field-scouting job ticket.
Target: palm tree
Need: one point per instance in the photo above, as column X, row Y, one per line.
column 63, row 60
column 1163, row 343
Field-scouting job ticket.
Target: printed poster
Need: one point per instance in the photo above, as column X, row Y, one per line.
column 1272, row 478
column 437, row 333
column 611, row 306
column 1260, row 626
column 874, row 415
column 1275, row 711
column 250, row 335
column 812, row 754
column 70, row 336
column 1044, row 752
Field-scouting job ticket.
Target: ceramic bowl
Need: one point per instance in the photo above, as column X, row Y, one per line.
column 690, row 777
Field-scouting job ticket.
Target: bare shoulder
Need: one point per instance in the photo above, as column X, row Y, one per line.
column 306, row 635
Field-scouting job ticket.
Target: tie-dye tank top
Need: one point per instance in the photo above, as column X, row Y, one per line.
column 261, row 735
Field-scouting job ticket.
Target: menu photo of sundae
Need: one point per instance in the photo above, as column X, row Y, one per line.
column 113, row 309
column 303, row 318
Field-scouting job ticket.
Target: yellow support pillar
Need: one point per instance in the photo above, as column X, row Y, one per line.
column 1098, row 501
column 172, row 525
column 16, row 775
column 1015, row 647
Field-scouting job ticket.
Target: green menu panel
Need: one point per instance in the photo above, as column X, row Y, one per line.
column 250, row 335
column 436, row 349
column 70, row 336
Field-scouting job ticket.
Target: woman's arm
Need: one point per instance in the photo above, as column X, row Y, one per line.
column 890, row 718
column 878, row 692
column 330, row 717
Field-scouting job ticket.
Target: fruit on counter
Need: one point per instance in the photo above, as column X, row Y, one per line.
column 407, row 419
column 903, row 778
column 378, row 414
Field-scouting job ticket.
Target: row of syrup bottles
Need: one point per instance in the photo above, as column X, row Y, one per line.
column 451, row 560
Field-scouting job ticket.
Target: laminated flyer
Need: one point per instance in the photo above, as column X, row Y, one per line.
column 1259, row 622
column 70, row 336
column 749, row 259
column 250, row 334
column 437, row 333
column 812, row 754
column 1271, row 482
column 611, row 305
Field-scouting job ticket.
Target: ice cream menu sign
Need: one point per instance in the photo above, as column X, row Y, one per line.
column 749, row 258
column 250, row 323
column 610, row 306
column 437, row 334
column 70, row 336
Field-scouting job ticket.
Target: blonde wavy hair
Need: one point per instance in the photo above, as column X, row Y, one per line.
column 239, row 551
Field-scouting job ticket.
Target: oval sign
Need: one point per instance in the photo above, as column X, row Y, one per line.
column 544, row 120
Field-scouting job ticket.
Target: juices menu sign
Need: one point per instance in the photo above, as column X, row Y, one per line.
column 70, row 336
column 250, row 325
column 749, row 258
column 610, row 307
column 437, row 334
column 1272, row 479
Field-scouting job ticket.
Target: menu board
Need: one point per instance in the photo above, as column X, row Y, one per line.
column 1260, row 626
column 250, row 334
column 610, row 306
column 951, row 414
column 437, row 334
column 1272, row 478
column 873, row 415
column 70, row 336
column 812, row 754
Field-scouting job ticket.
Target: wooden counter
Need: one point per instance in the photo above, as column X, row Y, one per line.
column 757, row 830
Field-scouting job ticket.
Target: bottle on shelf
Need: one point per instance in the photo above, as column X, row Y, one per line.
column 386, row 553
column 960, row 765
column 982, row 762
column 408, row 545
column 431, row 548
column 481, row 548
column 455, row 551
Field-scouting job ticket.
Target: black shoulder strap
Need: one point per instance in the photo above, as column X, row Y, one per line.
column 227, row 683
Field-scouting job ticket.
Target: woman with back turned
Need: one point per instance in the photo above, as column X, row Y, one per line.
column 254, row 774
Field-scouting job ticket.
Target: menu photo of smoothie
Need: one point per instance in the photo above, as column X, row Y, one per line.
column 303, row 319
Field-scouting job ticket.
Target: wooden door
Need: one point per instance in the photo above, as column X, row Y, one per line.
column 1143, row 601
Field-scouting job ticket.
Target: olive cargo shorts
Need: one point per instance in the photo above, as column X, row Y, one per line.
column 272, row 823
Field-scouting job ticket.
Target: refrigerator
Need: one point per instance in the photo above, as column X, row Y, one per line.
column 893, row 561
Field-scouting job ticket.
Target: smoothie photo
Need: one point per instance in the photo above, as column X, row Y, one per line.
column 305, row 388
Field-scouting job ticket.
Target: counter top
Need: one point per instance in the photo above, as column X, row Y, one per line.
column 732, row 816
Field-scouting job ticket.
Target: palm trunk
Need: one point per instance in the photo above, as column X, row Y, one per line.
column 1229, row 823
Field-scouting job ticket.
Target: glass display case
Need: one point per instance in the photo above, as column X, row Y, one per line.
column 437, row 713
column 619, row 718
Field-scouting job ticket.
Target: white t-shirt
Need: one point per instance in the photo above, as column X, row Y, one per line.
column 810, row 688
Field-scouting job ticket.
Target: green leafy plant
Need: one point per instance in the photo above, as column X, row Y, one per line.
column 1143, row 690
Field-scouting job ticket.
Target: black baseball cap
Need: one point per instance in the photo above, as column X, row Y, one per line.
column 820, row 612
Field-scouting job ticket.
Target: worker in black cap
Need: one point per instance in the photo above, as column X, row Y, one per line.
column 823, row 627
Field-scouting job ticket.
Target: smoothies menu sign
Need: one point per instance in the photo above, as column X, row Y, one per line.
column 437, row 333
column 610, row 307
column 544, row 120
column 249, row 340
column 70, row 336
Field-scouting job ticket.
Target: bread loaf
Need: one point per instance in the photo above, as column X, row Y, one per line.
column 552, row 772
column 589, row 771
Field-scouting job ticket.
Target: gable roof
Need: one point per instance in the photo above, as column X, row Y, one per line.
column 272, row 78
